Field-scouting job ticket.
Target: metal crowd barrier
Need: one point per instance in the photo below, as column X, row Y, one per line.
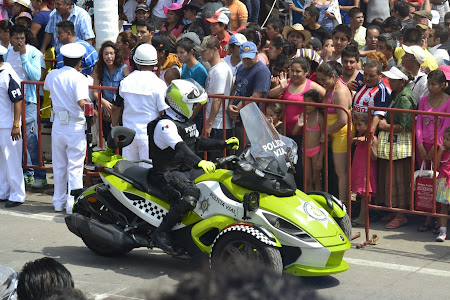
column 369, row 134
column 263, row 101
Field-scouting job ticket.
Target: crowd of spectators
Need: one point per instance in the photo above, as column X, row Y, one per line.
column 353, row 54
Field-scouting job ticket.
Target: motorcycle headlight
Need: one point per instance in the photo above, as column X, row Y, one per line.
column 251, row 201
column 246, row 166
column 288, row 227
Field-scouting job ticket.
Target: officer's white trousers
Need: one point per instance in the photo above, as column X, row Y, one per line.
column 68, row 154
column 12, row 185
column 137, row 150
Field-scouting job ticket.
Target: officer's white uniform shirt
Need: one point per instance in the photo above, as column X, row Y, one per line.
column 67, row 86
column 12, row 185
column 7, row 111
column 166, row 132
column 143, row 96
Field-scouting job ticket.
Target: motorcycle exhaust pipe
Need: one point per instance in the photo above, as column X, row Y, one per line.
column 106, row 234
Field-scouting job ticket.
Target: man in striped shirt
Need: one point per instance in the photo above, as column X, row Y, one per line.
column 66, row 35
column 373, row 93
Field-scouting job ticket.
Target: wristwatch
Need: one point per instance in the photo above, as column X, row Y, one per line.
column 17, row 125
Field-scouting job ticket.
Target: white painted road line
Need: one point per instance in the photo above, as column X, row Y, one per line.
column 396, row 267
column 32, row 216
column 354, row 261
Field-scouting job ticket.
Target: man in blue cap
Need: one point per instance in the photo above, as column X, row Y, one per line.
column 252, row 80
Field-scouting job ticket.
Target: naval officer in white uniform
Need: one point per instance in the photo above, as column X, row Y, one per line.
column 12, row 185
column 69, row 91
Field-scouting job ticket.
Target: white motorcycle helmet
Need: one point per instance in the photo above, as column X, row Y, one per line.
column 8, row 283
column 145, row 55
column 182, row 94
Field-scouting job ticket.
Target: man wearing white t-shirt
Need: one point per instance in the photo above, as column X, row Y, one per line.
column 218, row 82
column 233, row 60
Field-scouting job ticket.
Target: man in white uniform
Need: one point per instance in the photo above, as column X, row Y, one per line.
column 142, row 96
column 69, row 92
column 12, row 187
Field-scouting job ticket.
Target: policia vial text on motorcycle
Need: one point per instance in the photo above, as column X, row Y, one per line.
column 173, row 140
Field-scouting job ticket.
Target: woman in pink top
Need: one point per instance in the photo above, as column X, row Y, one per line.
column 293, row 90
column 174, row 22
column 436, row 101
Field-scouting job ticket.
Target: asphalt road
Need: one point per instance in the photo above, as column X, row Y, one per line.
column 404, row 265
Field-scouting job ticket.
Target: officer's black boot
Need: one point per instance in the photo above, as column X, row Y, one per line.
column 161, row 235
column 177, row 211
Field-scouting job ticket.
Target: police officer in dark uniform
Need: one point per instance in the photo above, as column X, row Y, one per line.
column 173, row 140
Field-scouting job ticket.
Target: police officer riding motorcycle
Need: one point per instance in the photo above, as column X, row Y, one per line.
column 174, row 140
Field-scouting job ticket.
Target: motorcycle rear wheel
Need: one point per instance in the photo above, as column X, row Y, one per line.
column 237, row 247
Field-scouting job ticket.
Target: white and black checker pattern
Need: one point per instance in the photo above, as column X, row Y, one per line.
column 247, row 229
column 150, row 208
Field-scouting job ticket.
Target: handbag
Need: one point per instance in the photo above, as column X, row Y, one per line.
column 402, row 147
column 423, row 185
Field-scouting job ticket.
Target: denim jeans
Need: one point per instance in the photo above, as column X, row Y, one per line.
column 217, row 134
column 253, row 7
column 32, row 142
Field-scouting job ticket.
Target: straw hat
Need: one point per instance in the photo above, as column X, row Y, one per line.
column 297, row 27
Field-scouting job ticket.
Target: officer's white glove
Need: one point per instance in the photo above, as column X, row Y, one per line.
column 207, row 166
column 232, row 143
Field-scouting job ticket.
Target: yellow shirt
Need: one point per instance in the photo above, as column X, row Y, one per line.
column 429, row 62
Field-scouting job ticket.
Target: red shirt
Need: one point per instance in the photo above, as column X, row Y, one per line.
column 224, row 45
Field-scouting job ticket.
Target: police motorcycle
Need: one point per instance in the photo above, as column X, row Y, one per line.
column 248, row 208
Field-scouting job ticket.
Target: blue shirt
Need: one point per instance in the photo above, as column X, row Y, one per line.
column 81, row 20
column 197, row 72
column 32, row 64
column 296, row 16
column 255, row 79
column 42, row 18
column 113, row 80
column 87, row 62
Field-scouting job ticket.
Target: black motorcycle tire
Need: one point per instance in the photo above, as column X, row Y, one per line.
column 346, row 225
column 103, row 250
column 268, row 255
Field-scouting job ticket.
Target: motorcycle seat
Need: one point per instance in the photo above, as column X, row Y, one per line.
column 139, row 177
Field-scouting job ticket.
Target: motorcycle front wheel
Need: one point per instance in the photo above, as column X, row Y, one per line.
column 346, row 225
column 237, row 247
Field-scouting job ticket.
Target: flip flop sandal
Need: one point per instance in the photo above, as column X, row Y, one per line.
column 396, row 223
column 389, row 217
column 423, row 228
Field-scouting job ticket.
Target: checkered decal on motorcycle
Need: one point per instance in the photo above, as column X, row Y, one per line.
column 148, row 207
column 250, row 230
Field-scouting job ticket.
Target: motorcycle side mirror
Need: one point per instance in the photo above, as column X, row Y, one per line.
column 120, row 137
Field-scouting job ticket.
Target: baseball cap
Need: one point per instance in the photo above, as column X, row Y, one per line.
column 143, row 7
column 395, row 73
column 237, row 39
column 317, row 44
column 73, row 50
column 446, row 70
column 435, row 18
column 247, row 50
column 209, row 42
column 193, row 5
column 25, row 15
column 417, row 51
column 218, row 17
column 424, row 14
column 161, row 43
column 192, row 36
column 424, row 24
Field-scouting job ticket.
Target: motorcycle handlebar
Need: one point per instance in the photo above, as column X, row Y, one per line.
column 226, row 161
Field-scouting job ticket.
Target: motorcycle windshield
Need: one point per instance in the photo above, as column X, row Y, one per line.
column 272, row 152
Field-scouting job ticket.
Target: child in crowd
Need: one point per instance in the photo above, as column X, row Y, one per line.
column 443, row 183
column 359, row 163
column 274, row 113
column 314, row 137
